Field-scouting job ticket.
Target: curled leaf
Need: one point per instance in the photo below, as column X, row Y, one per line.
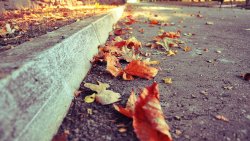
column 113, row 65
column 140, row 69
column 130, row 106
column 148, row 120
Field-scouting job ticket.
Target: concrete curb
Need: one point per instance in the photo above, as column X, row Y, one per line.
column 38, row 78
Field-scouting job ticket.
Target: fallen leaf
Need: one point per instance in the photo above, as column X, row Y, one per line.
column 218, row 51
column 107, row 97
column 178, row 132
column 209, row 23
column 113, row 65
column 130, row 55
column 154, row 22
column 89, row 111
column 221, row 117
column 103, row 96
column 60, row 137
column 126, row 76
column 228, row 87
column 247, row 76
column 148, row 119
column 167, row 80
column 77, row 93
column 141, row 30
column 119, row 32
column 90, row 98
column 187, row 49
column 140, row 69
column 171, row 53
column 149, row 62
column 130, row 106
column 122, row 130
column 98, row 88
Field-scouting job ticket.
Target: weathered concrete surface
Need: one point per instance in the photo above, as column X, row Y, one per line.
column 38, row 78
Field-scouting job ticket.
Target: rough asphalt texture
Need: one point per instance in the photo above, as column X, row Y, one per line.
column 186, row 107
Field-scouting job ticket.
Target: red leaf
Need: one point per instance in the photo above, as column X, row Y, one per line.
column 130, row 106
column 140, row 69
column 148, row 120
column 119, row 32
column 120, row 44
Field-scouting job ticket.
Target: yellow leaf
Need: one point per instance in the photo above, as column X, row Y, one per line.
column 148, row 62
column 107, row 97
column 167, row 80
column 90, row 98
column 103, row 96
column 98, row 88
column 170, row 53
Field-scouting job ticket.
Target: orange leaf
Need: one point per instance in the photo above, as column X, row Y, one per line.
column 187, row 49
column 154, row 22
column 130, row 106
column 140, row 69
column 148, row 119
column 113, row 65
column 126, row 76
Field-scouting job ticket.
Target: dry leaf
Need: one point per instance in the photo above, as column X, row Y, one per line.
column 221, row 117
column 119, row 32
column 247, row 76
column 98, row 88
column 103, row 96
column 148, row 120
column 154, row 22
column 126, row 76
column 167, row 80
column 148, row 62
column 122, row 130
column 61, row 137
column 107, row 97
column 140, row 69
column 209, row 23
column 130, row 106
column 171, row 53
column 77, row 93
column 90, row 98
column 187, row 49
column 113, row 65
column 89, row 111
column 129, row 54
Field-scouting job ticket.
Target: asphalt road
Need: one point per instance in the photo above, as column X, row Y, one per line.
column 206, row 80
